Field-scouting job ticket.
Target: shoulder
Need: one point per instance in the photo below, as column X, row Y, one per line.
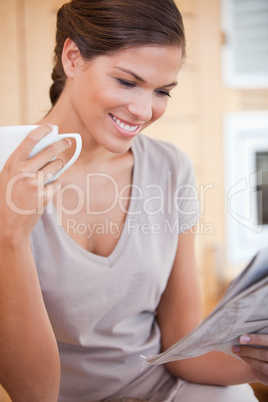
column 162, row 155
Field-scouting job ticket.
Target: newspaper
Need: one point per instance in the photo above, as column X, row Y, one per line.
column 242, row 310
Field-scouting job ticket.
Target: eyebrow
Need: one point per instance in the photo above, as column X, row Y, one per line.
column 125, row 70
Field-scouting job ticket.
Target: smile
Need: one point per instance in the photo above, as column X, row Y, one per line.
column 124, row 126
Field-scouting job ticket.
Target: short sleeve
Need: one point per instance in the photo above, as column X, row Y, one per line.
column 186, row 198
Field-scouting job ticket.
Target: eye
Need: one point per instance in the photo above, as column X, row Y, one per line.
column 162, row 92
column 125, row 83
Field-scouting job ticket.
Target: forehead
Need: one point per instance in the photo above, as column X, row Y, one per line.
column 144, row 59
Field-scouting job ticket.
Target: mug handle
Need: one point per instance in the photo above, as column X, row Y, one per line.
column 78, row 140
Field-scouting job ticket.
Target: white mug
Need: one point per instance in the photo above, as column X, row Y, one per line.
column 12, row 136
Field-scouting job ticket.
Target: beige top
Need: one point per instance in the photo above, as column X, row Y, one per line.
column 103, row 309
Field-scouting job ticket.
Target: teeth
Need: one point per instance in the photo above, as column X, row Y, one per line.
column 125, row 126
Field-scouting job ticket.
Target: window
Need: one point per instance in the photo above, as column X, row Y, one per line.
column 262, row 187
column 245, row 48
column 246, row 184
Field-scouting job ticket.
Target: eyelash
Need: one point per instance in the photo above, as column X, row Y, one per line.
column 125, row 83
column 161, row 92
column 129, row 84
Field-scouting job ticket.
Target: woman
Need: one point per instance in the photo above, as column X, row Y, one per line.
column 107, row 268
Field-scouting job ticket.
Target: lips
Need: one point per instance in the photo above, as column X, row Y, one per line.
column 126, row 127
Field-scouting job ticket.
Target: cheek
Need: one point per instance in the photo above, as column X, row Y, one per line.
column 105, row 99
column 92, row 103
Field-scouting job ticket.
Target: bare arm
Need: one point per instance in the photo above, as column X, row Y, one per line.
column 29, row 363
column 180, row 311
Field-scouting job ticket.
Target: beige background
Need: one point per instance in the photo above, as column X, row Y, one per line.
column 193, row 121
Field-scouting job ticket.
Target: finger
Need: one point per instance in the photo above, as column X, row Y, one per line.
column 251, row 352
column 23, row 151
column 51, row 169
column 45, row 156
column 257, row 364
column 51, row 190
column 254, row 339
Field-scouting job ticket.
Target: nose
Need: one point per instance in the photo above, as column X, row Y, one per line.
column 141, row 107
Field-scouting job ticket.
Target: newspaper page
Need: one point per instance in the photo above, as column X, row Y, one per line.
column 243, row 309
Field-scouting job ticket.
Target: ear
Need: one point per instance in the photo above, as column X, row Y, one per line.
column 71, row 58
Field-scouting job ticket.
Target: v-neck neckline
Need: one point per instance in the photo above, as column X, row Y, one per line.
column 124, row 236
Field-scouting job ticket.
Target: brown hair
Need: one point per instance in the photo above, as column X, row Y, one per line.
column 103, row 26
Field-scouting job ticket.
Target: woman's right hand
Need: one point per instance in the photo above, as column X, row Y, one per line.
column 23, row 190
column 30, row 365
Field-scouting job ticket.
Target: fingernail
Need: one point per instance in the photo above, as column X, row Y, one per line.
column 69, row 142
column 50, row 125
column 244, row 339
column 236, row 349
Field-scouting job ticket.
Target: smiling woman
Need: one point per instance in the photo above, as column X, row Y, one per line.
column 117, row 95
column 105, row 271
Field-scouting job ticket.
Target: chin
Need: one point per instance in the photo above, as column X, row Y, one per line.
column 119, row 146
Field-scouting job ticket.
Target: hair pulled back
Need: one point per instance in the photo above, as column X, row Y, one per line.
column 103, row 26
